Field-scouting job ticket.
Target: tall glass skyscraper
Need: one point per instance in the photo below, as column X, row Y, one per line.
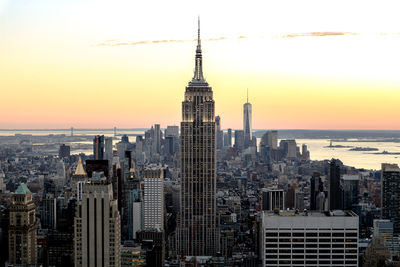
column 247, row 126
column 197, row 232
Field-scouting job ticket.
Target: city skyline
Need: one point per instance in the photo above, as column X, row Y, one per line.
column 63, row 63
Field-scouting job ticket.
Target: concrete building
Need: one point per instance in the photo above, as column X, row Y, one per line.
column 97, row 229
column 48, row 212
column 309, row 239
column 197, row 229
column 64, row 151
column 289, row 148
column 270, row 139
column 390, row 190
column 273, row 199
column 335, row 189
column 153, row 200
column 22, row 248
column 384, row 228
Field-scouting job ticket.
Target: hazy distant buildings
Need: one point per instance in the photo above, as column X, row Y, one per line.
column 289, row 148
column 98, row 147
column 97, row 235
column 220, row 133
column 239, row 140
column 390, row 179
column 247, row 123
column 22, row 228
column 270, row 139
column 292, row 238
column 197, row 230
column 228, row 138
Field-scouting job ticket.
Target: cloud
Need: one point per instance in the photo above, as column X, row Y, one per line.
column 113, row 42
column 318, row 34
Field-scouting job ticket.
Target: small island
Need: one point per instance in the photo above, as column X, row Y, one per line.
column 364, row 149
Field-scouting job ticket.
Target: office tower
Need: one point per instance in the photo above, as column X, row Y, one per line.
column 239, row 140
column 97, row 235
column 335, row 189
column 305, row 154
column 48, row 213
column 135, row 213
column 273, row 199
column 64, row 151
column 98, row 147
column 229, row 144
column 78, row 176
column 272, row 139
column 172, row 131
column 153, row 191
column 125, row 139
column 351, row 190
column 108, row 149
column 97, row 166
column 157, row 138
column 153, row 242
column 384, row 228
column 22, row 228
column 220, row 133
column 309, row 238
column 299, row 200
column 316, row 187
column 247, row 124
column 390, row 179
column 197, row 231
column 289, row 148
column 290, row 196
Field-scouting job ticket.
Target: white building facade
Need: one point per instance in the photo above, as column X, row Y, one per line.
column 309, row 239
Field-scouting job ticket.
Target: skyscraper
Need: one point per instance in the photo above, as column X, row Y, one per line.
column 335, row 189
column 97, row 234
column 153, row 191
column 198, row 233
column 220, row 133
column 391, row 195
column 247, row 125
column 98, row 147
column 351, row 190
column 22, row 230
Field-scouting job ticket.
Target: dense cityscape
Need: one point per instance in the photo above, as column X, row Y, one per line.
column 191, row 195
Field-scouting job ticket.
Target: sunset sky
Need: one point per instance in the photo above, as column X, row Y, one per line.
column 97, row 64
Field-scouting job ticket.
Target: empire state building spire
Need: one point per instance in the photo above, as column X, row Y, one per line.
column 198, row 72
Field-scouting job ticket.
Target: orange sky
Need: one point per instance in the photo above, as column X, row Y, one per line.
column 97, row 64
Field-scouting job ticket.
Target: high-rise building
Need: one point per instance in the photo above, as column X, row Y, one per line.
column 197, row 231
column 384, row 228
column 22, row 247
column 351, row 190
column 335, row 189
column 316, row 187
column 289, row 148
column 239, row 140
column 247, row 123
column 97, row 235
column 153, row 192
column 64, row 151
column 157, row 138
column 98, row 147
column 48, row 212
column 273, row 199
column 292, row 238
column 108, row 149
column 172, row 131
column 228, row 138
column 220, row 133
column 390, row 190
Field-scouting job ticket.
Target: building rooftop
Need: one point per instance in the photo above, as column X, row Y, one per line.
column 292, row 213
column 22, row 190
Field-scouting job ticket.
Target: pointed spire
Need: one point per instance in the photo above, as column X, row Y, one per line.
column 247, row 95
column 198, row 71
column 79, row 169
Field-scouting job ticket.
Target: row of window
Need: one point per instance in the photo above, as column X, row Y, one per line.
column 313, row 234
column 321, row 240
column 268, row 262
column 310, row 245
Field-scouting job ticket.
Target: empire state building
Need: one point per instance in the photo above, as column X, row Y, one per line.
column 197, row 232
